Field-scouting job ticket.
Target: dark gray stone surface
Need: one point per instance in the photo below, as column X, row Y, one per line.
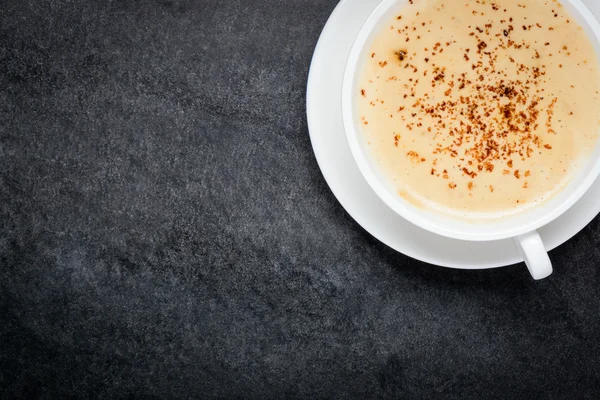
column 165, row 231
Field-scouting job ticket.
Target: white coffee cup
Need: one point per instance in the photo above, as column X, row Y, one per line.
column 523, row 226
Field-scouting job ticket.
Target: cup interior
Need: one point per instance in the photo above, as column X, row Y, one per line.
column 434, row 221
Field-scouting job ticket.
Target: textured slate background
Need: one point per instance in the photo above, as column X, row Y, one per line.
column 165, row 231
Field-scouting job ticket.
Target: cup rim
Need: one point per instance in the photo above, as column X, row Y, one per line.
column 405, row 209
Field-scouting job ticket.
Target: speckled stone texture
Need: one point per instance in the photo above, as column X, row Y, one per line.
column 165, row 231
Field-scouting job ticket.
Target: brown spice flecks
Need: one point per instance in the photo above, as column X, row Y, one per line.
column 495, row 120
column 469, row 173
column 363, row 92
column 414, row 155
column 452, row 185
column 401, row 54
column 482, row 45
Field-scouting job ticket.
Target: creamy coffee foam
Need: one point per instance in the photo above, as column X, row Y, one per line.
column 480, row 107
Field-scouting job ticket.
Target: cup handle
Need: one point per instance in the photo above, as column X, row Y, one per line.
column 534, row 254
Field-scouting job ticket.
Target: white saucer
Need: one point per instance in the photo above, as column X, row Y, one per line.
column 355, row 195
